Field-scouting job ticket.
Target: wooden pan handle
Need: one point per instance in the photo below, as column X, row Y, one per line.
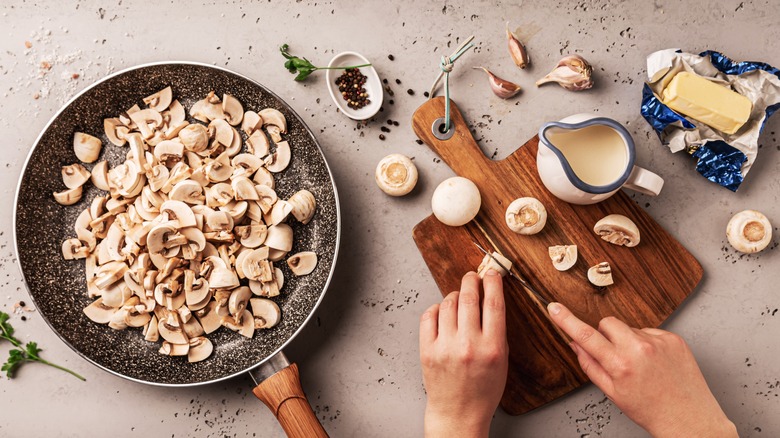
column 284, row 396
column 461, row 152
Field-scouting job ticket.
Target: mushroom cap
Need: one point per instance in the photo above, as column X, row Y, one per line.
column 303, row 206
column 456, row 201
column 266, row 313
column 563, row 256
column 194, row 137
column 396, row 175
column 302, row 263
column 68, row 197
column 489, row 263
column 600, row 275
column 526, row 216
column 200, row 349
column 749, row 231
column 280, row 158
column 618, row 229
column 160, row 100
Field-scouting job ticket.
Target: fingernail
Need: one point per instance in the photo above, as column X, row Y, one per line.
column 492, row 272
column 554, row 308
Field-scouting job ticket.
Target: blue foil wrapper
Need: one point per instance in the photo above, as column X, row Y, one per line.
column 720, row 163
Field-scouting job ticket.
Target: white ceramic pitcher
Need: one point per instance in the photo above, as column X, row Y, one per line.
column 560, row 179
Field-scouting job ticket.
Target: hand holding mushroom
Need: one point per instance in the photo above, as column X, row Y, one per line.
column 464, row 358
column 650, row 374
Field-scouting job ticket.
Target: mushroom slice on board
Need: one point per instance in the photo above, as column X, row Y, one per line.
column 302, row 263
column 86, row 147
column 266, row 313
column 749, row 231
column 489, row 262
column 600, row 275
column 617, row 229
column 563, row 256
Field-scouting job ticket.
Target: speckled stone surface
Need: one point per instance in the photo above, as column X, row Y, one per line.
column 359, row 355
column 57, row 286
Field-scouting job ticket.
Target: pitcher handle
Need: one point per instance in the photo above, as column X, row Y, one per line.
column 643, row 181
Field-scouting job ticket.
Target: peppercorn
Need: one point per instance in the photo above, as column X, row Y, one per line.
column 382, row 137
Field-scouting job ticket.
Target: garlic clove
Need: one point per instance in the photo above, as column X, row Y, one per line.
column 517, row 49
column 749, row 231
column 501, row 87
column 573, row 73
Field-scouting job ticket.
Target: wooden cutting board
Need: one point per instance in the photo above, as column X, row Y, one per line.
column 651, row 280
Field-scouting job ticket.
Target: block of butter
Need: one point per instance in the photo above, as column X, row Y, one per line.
column 707, row 102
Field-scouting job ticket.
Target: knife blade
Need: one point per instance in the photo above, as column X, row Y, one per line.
column 515, row 276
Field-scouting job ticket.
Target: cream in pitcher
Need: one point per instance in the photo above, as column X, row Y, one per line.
column 584, row 159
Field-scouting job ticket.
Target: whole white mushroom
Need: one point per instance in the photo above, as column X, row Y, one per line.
column 456, row 201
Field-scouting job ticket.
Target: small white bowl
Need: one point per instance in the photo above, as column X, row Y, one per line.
column 373, row 85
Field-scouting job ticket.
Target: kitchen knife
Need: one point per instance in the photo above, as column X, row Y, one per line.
column 515, row 276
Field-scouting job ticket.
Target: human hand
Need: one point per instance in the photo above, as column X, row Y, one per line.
column 464, row 362
column 650, row 374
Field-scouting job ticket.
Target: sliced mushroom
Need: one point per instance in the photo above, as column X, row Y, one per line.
column 255, row 265
column 219, row 170
column 147, row 120
column 600, row 275
column 244, row 189
column 526, row 216
column 221, row 131
column 257, row 144
column 618, row 229
column 396, row 175
column 265, row 178
column 74, row 175
column 177, row 114
column 115, row 130
column 194, row 137
column 160, row 100
column 171, row 349
column 239, row 298
column 234, row 111
column 303, row 206
column 219, row 195
column 246, row 327
column 266, row 313
column 267, row 197
column 251, row 122
column 170, row 329
column 178, row 211
column 274, row 117
column 169, row 152
column 749, row 231
column 489, row 263
column 100, row 175
column 200, row 349
column 563, row 256
column 279, row 213
column 151, row 331
column 99, row 312
column 178, row 173
column 68, row 197
column 245, row 165
column 208, row 317
column 281, row 158
column 223, row 278
column 74, row 249
column 251, row 236
column 86, row 147
column 302, row 263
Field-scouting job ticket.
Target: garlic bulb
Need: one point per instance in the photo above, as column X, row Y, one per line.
column 749, row 231
column 572, row 72
column 501, row 87
column 517, row 49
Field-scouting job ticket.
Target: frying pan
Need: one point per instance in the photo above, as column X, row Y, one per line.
column 58, row 287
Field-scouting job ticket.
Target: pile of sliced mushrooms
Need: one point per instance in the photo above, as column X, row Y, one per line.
column 186, row 239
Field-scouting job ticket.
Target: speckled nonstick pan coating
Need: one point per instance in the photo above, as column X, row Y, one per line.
column 57, row 286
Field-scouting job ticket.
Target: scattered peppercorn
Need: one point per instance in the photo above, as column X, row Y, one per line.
column 410, row 91
column 350, row 85
column 389, row 122
column 384, row 129
column 426, row 94
column 418, row 141
column 391, row 57
column 24, row 318
column 382, row 137
column 395, row 123
column 21, row 304
column 398, row 81
column 391, row 102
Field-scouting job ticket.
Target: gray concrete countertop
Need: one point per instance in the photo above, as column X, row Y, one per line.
column 359, row 356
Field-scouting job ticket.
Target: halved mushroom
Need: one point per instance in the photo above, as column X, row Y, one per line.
column 234, row 111
column 219, row 169
column 187, row 191
column 100, row 175
column 303, row 206
column 245, row 165
column 86, row 147
column 208, row 317
column 256, row 266
column 136, row 317
column 170, row 329
column 147, row 120
column 235, row 147
column 239, row 298
column 264, row 178
column 618, row 229
column 213, row 107
column 279, row 237
column 219, row 195
column 526, row 216
column 251, row 236
column 74, row 175
column 160, row 100
column 177, row 114
column 251, row 122
column 200, row 349
column 274, row 117
column 99, row 312
column 281, row 158
column 218, row 221
column 68, row 197
column 171, row 349
column 116, row 295
column 247, row 326
column 244, row 189
column 151, row 331
column 600, row 275
column 749, row 231
column 267, row 197
column 563, row 256
column 302, row 263
column 489, row 263
column 178, row 211
column 169, row 152
column 157, row 176
column 257, row 144
column 115, row 131
column 279, row 213
column 223, row 278
column 266, row 313
column 194, row 137
column 221, row 131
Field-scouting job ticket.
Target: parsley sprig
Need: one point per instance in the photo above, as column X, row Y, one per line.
column 304, row 67
column 22, row 353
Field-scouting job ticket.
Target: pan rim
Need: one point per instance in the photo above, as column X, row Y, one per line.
column 274, row 95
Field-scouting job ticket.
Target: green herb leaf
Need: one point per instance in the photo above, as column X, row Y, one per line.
column 15, row 358
column 8, row 331
column 303, row 66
